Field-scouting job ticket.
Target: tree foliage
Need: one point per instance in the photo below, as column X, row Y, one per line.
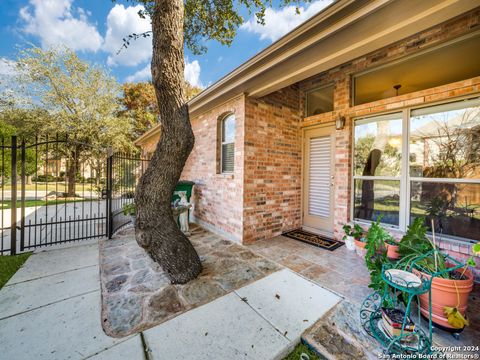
column 140, row 103
column 191, row 91
column 6, row 133
column 81, row 99
column 140, row 106
column 389, row 162
column 214, row 20
column 27, row 122
column 58, row 94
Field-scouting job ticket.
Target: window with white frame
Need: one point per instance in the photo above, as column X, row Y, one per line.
column 420, row 162
column 227, row 148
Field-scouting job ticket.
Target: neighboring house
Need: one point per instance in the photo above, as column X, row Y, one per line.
column 59, row 166
column 314, row 130
column 148, row 141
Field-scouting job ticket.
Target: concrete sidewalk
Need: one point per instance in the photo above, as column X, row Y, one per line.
column 50, row 309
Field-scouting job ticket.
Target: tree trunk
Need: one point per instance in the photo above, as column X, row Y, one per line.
column 98, row 171
column 72, row 173
column 156, row 230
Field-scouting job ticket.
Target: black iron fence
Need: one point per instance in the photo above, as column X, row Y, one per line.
column 57, row 190
column 7, row 173
column 123, row 173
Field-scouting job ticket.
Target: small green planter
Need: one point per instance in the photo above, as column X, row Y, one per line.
column 183, row 185
column 187, row 187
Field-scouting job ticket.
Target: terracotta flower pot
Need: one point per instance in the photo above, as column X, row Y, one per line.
column 360, row 248
column 360, row 244
column 444, row 293
column 392, row 251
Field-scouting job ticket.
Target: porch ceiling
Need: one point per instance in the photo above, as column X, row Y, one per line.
column 342, row 32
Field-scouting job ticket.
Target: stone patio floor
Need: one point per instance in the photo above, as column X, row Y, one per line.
column 344, row 272
column 136, row 293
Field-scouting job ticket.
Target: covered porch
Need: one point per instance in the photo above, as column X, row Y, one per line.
column 344, row 272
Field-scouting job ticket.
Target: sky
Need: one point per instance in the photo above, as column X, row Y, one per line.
column 95, row 29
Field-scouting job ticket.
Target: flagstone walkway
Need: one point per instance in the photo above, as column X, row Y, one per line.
column 136, row 292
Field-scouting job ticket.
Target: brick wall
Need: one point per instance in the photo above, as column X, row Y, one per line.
column 341, row 77
column 272, row 185
column 263, row 197
column 218, row 198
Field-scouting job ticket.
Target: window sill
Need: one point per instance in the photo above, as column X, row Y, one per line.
column 225, row 176
column 446, row 242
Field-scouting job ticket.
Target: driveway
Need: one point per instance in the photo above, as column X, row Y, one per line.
column 50, row 309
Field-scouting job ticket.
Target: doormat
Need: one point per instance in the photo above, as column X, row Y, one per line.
column 313, row 239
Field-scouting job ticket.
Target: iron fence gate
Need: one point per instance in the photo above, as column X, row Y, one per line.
column 52, row 191
column 123, row 173
column 55, row 190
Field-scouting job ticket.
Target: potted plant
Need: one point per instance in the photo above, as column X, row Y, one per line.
column 130, row 210
column 450, row 290
column 360, row 245
column 392, row 248
column 376, row 255
column 352, row 233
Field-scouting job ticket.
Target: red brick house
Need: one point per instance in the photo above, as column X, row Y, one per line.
column 369, row 108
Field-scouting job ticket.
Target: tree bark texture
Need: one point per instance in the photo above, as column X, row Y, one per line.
column 72, row 164
column 156, row 231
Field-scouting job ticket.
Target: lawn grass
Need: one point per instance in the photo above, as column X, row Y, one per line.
column 299, row 349
column 9, row 266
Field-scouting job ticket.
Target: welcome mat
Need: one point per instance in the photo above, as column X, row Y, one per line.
column 313, row 239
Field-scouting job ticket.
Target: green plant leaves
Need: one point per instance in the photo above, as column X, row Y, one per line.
column 476, row 249
column 376, row 255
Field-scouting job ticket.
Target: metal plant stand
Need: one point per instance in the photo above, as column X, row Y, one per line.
column 371, row 315
column 401, row 288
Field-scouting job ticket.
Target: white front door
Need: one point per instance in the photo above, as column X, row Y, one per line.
column 318, row 177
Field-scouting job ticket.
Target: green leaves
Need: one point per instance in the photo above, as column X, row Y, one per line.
column 218, row 20
column 6, row 132
column 471, row 262
column 415, row 241
column 376, row 255
column 129, row 209
column 476, row 249
column 79, row 99
column 356, row 231
column 475, row 252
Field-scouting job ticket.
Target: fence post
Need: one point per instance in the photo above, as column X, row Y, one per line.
column 23, row 175
column 109, row 193
column 13, row 224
